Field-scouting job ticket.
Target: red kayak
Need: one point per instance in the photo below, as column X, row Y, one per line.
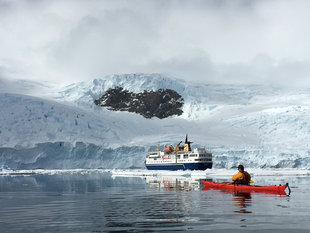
column 280, row 189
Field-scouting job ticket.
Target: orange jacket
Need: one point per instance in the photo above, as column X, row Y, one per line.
column 244, row 177
column 238, row 176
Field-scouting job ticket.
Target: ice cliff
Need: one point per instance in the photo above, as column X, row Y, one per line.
column 254, row 125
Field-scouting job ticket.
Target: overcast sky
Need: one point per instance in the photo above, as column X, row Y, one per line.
column 215, row 41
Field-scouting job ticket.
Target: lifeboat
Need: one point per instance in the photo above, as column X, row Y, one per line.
column 168, row 149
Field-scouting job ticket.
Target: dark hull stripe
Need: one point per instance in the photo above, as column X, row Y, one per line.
column 181, row 166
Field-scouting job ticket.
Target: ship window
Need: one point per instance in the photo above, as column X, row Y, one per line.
column 203, row 160
column 185, row 156
column 192, row 155
column 178, row 156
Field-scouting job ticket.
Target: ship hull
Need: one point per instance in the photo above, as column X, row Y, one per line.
column 179, row 166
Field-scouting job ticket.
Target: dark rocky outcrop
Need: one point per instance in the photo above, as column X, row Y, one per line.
column 161, row 103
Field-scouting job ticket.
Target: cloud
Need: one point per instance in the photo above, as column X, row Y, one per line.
column 221, row 41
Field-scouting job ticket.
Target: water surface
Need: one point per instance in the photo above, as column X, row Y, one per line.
column 98, row 202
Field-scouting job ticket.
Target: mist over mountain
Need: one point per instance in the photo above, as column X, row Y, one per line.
column 255, row 125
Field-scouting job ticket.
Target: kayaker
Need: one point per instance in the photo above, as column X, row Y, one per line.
column 242, row 177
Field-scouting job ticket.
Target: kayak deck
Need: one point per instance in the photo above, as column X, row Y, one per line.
column 276, row 189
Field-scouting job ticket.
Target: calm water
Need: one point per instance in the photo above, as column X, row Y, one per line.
column 96, row 202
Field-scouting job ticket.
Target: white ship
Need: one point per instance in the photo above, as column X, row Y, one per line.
column 179, row 158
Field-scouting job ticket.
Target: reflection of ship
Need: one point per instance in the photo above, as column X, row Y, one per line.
column 175, row 183
column 179, row 158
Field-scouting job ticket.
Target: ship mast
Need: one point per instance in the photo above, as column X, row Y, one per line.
column 158, row 147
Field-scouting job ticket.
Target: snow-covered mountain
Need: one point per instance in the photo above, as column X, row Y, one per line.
column 254, row 125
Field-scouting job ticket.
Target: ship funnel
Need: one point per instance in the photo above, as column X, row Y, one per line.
column 187, row 145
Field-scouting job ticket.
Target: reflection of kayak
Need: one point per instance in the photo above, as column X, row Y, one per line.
column 280, row 189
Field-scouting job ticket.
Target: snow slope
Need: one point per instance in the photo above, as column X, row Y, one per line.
column 40, row 133
column 199, row 98
column 254, row 125
column 26, row 120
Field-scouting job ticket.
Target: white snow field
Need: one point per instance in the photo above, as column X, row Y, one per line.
column 258, row 126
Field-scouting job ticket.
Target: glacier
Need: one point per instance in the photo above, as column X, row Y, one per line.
column 258, row 126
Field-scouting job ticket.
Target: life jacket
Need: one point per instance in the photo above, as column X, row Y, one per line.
column 247, row 177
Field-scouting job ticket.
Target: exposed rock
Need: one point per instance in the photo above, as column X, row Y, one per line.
column 161, row 103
